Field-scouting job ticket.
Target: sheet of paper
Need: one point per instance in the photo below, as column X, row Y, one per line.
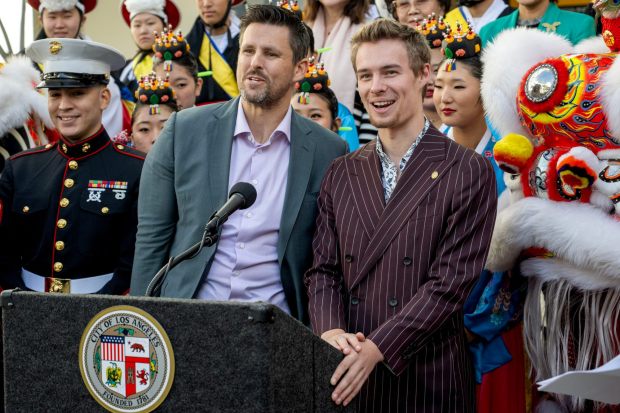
column 601, row 384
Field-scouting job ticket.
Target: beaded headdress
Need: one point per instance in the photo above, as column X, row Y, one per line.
column 169, row 46
column 153, row 91
column 460, row 44
column 433, row 28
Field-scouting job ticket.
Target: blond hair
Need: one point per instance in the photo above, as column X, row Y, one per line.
column 383, row 29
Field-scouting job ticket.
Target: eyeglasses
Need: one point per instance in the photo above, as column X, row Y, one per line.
column 405, row 5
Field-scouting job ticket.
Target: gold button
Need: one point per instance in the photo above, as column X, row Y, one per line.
column 26, row 209
column 64, row 203
column 69, row 182
column 73, row 165
column 49, row 145
column 64, row 148
column 60, row 245
column 58, row 266
column 105, row 210
column 121, row 147
column 434, row 175
column 86, row 147
column 61, row 223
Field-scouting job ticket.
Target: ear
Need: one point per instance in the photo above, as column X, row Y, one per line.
column 300, row 69
column 337, row 124
column 104, row 98
column 425, row 73
column 198, row 87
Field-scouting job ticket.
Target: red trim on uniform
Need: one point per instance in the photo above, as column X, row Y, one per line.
column 80, row 143
column 85, row 155
column 94, row 152
column 124, row 152
column 62, row 189
column 32, row 152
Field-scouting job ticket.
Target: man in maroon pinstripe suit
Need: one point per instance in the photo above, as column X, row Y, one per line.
column 403, row 231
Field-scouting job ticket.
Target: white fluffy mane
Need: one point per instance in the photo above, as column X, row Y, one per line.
column 506, row 60
column 594, row 44
column 18, row 97
column 581, row 236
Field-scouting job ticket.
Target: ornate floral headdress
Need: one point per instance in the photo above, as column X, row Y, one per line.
column 169, row 46
column 460, row 44
column 433, row 28
column 290, row 5
column 152, row 90
column 315, row 80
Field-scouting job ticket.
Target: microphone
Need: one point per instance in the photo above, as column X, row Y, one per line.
column 242, row 195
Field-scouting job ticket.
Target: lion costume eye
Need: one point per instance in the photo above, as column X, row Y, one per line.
column 541, row 83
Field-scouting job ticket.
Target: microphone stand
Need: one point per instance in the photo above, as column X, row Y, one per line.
column 209, row 237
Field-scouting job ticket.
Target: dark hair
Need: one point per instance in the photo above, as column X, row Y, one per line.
column 188, row 61
column 172, row 105
column 277, row 16
column 355, row 10
column 332, row 101
column 473, row 64
column 311, row 43
column 446, row 5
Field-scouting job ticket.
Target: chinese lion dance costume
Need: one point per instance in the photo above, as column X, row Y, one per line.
column 557, row 107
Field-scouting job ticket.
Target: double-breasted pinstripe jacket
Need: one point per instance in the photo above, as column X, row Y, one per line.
column 400, row 272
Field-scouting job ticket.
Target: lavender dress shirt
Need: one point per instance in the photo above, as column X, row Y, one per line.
column 245, row 266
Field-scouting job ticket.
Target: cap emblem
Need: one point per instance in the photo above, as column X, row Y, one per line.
column 55, row 47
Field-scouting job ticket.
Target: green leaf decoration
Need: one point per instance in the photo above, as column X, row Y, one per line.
column 168, row 55
column 98, row 359
column 305, row 87
column 448, row 53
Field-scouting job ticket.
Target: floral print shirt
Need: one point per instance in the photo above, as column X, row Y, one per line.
column 390, row 173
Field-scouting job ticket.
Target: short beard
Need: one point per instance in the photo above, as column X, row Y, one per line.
column 266, row 99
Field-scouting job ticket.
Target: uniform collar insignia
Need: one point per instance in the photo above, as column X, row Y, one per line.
column 86, row 147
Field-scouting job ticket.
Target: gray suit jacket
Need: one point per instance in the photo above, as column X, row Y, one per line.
column 185, row 179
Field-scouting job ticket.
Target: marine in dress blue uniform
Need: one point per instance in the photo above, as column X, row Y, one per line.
column 68, row 211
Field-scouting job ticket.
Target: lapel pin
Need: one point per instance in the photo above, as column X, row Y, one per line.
column 434, row 175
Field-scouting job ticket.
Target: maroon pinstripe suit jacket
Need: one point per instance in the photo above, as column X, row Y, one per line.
column 401, row 272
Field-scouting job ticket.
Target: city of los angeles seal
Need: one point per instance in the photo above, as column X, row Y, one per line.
column 126, row 360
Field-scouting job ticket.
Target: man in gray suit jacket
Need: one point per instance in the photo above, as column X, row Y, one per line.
column 263, row 251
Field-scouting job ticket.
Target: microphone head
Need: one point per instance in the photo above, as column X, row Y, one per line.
column 245, row 190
